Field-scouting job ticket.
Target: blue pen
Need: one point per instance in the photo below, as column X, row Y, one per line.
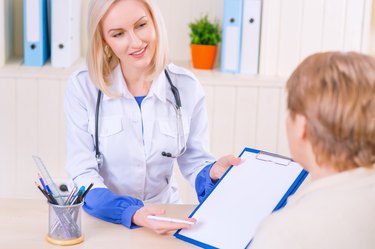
column 42, row 182
column 50, row 194
column 49, row 190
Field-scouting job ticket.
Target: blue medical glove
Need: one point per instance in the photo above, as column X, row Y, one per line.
column 103, row 204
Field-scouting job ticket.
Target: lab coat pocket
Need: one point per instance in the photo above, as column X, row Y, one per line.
column 108, row 126
column 168, row 126
column 109, row 129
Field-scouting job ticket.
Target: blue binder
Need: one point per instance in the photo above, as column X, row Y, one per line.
column 231, row 43
column 36, row 48
column 242, row 198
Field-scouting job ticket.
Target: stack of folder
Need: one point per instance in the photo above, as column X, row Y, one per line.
column 58, row 20
column 241, row 36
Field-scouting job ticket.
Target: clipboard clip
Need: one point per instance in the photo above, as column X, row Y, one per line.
column 271, row 157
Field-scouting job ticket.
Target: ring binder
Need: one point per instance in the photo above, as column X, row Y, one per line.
column 65, row 32
column 250, row 45
column 231, row 44
column 36, row 47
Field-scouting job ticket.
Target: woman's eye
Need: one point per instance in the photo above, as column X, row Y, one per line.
column 142, row 24
column 118, row 34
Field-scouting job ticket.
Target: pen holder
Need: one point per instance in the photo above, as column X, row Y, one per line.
column 64, row 224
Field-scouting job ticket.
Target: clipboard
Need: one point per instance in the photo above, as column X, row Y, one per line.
column 229, row 216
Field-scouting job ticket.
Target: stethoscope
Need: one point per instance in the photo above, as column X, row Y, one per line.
column 181, row 142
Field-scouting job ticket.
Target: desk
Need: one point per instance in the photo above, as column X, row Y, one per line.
column 24, row 224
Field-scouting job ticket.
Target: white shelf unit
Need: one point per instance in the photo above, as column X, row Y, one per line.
column 243, row 110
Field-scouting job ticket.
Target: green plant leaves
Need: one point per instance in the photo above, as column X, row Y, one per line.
column 204, row 32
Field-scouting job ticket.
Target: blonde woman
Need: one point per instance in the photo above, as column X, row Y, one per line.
column 125, row 127
column 331, row 133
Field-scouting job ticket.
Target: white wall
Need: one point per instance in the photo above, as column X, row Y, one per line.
column 293, row 29
column 372, row 31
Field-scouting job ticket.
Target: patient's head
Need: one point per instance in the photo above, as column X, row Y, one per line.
column 333, row 96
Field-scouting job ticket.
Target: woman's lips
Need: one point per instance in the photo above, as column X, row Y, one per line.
column 139, row 53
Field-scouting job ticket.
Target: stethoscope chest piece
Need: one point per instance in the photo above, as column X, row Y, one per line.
column 99, row 159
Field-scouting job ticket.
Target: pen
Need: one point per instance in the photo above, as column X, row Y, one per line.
column 52, row 199
column 41, row 190
column 41, row 181
column 79, row 197
column 81, row 190
column 49, row 197
column 49, row 190
column 69, row 198
column 168, row 219
column 87, row 190
column 48, row 179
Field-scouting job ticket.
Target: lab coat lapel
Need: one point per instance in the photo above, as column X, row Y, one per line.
column 118, row 84
column 156, row 94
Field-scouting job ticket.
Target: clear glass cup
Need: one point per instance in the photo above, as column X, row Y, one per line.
column 64, row 224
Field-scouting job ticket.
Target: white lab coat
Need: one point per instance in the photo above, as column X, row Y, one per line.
column 132, row 140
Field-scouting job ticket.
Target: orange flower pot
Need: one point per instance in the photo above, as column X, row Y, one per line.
column 203, row 56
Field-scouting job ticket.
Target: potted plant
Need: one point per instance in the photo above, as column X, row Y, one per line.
column 204, row 37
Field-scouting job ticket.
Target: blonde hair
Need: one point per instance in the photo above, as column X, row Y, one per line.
column 100, row 59
column 335, row 91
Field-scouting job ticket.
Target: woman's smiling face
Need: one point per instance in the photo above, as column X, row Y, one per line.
column 129, row 31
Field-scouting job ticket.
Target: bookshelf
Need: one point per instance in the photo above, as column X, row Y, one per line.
column 31, row 99
column 291, row 29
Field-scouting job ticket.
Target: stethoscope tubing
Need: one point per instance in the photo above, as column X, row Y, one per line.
column 177, row 106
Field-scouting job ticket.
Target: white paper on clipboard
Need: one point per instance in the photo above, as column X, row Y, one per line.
column 248, row 193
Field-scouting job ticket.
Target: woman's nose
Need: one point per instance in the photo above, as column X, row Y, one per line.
column 134, row 39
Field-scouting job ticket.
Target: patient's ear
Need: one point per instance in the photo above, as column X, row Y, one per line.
column 297, row 136
column 301, row 126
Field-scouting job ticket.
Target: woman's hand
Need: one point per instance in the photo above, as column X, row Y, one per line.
column 221, row 166
column 159, row 227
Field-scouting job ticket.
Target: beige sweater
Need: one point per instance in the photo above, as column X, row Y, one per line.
column 333, row 212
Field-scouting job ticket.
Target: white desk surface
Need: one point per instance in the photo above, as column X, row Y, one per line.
column 24, row 224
